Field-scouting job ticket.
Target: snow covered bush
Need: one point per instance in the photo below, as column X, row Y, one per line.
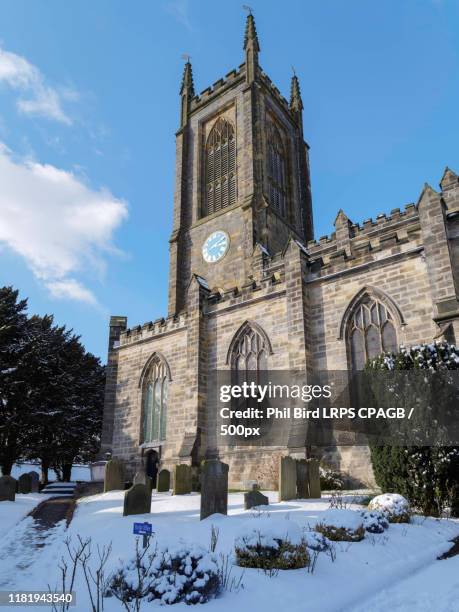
column 394, row 506
column 330, row 480
column 269, row 543
column 316, row 541
column 183, row 573
column 374, row 521
column 428, row 473
column 341, row 525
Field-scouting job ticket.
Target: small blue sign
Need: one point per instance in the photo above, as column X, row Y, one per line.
column 143, row 528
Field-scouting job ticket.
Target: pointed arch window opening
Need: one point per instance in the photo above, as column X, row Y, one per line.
column 277, row 178
column 156, row 388
column 220, row 168
column 371, row 331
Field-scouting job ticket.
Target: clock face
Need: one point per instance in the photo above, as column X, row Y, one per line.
column 215, row 247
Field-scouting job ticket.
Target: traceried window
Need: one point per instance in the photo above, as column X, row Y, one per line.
column 155, row 402
column 371, row 331
column 220, row 167
column 249, row 354
column 277, row 181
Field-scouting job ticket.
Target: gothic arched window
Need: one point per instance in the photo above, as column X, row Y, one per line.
column 248, row 353
column 155, row 394
column 371, row 331
column 220, row 167
column 277, row 180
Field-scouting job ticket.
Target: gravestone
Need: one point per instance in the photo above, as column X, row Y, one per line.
column 214, row 488
column 142, row 478
column 25, row 483
column 314, row 478
column 302, row 479
column 35, row 481
column 7, row 488
column 287, row 478
column 164, row 481
column 182, row 479
column 137, row 500
column 255, row 498
column 114, row 476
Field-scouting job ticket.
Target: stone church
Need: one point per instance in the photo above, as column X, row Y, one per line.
column 250, row 287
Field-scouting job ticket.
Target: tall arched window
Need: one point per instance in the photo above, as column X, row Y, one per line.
column 248, row 352
column 277, row 178
column 220, row 167
column 155, row 394
column 371, row 330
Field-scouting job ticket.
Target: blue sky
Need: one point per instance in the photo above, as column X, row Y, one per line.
column 89, row 108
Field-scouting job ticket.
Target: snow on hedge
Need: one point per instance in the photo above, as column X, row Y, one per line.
column 392, row 504
column 342, row 519
column 268, row 532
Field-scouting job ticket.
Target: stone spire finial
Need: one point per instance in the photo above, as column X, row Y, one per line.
column 296, row 104
column 186, row 91
column 251, row 48
column 250, row 36
column 187, row 79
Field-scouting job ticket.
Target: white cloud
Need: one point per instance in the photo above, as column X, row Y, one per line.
column 37, row 98
column 59, row 225
column 179, row 9
column 71, row 289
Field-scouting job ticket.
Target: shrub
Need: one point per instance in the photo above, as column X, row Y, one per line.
column 316, row 541
column 426, row 475
column 270, row 544
column 330, row 480
column 341, row 525
column 374, row 521
column 185, row 573
column 394, row 506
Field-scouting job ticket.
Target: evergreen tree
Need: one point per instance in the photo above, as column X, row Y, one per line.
column 15, row 339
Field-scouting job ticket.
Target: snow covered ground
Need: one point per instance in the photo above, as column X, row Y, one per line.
column 396, row 570
column 12, row 512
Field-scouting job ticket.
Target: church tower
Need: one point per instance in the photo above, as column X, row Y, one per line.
column 242, row 176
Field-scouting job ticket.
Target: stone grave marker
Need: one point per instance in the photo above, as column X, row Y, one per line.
column 25, row 483
column 137, row 500
column 255, row 498
column 302, row 478
column 114, row 476
column 182, row 479
column 214, row 488
column 35, row 481
column 287, row 478
column 314, row 479
column 7, row 488
column 164, row 481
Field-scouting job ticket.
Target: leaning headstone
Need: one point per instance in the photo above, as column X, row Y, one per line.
column 7, row 488
column 214, row 488
column 35, row 481
column 255, row 498
column 25, row 483
column 287, row 478
column 182, row 479
column 137, row 500
column 164, row 481
column 114, row 476
column 314, row 479
column 302, row 479
column 142, row 478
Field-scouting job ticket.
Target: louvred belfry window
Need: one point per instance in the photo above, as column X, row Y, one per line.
column 371, row 331
column 277, row 192
column 220, row 171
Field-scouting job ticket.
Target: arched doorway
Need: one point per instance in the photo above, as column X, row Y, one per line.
column 151, row 466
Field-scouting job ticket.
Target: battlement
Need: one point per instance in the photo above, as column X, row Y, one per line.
column 231, row 78
column 151, row 329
